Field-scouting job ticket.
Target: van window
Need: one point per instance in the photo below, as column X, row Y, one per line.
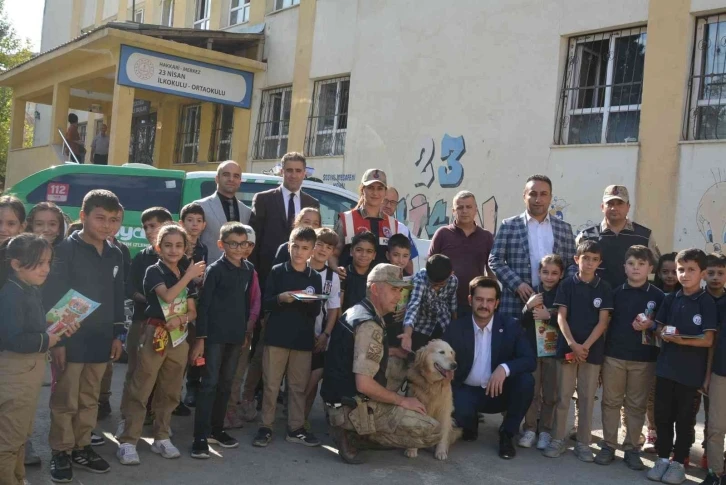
column 331, row 204
column 136, row 193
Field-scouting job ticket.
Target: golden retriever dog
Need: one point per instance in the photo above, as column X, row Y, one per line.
column 429, row 381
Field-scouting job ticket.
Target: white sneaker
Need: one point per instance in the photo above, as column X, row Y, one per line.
column 120, row 428
column 127, row 454
column 165, row 448
column 544, row 440
column 528, row 439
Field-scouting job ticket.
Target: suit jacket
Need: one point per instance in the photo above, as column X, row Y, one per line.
column 270, row 224
column 509, row 346
column 216, row 218
column 509, row 258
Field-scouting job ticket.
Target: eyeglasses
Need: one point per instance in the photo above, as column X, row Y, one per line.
column 235, row 245
column 390, row 202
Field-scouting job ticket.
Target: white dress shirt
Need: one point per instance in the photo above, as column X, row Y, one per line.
column 481, row 369
column 541, row 243
column 286, row 198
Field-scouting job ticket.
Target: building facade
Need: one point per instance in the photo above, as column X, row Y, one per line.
column 443, row 96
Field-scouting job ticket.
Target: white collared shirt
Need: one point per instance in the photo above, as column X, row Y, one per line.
column 481, row 368
column 541, row 243
column 286, row 198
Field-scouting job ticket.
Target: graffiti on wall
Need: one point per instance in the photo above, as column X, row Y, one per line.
column 711, row 214
column 422, row 211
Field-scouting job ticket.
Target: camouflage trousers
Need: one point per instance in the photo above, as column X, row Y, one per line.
column 387, row 424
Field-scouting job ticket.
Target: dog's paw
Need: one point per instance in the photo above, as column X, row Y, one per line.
column 441, row 453
column 411, row 452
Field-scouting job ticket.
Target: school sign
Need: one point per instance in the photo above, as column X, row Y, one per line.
column 155, row 71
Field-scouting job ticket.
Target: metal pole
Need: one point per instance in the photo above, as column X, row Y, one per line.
column 133, row 10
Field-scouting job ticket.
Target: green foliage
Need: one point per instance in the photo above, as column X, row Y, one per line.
column 13, row 51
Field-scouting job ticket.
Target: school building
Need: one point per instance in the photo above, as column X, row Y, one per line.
column 443, row 96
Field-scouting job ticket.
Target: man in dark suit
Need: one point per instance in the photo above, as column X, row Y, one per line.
column 274, row 211
column 495, row 365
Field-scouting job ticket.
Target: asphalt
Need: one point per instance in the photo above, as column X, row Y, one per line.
column 282, row 462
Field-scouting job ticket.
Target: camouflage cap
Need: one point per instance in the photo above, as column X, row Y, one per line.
column 374, row 175
column 388, row 273
column 616, row 192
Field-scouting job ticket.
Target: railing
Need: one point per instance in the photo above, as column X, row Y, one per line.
column 68, row 147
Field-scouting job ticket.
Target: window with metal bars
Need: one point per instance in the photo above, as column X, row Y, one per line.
column 602, row 88
column 221, row 142
column 239, row 12
column 273, row 124
column 187, row 136
column 328, row 120
column 705, row 118
column 201, row 14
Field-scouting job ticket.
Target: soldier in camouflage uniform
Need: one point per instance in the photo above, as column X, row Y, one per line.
column 359, row 406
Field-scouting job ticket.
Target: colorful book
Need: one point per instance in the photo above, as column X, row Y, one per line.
column 546, row 334
column 178, row 307
column 302, row 296
column 405, row 295
column 71, row 308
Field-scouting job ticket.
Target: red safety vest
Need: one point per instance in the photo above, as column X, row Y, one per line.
column 354, row 223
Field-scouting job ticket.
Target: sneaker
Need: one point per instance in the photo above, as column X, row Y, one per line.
column 544, row 440
column 659, row 469
column 527, row 440
column 222, row 439
column 97, row 439
column 232, row 419
column 200, row 449
column 89, row 459
column 303, row 437
column 31, row 457
column 650, row 441
column 165, row 448
column 554, row 449
column 127, row 454
column 263, row 437
column 583, row 453
column 181, row 410
column 120, row 428
column 104, row 409
column 711, row 479
column 248, row 410
column 675, row 475
column 605, row 456
column 633, row 460
column 61, row 469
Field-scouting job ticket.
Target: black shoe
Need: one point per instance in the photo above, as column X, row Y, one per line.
column 346, row 449
column 506, row 446
column 97, row 439
column 222, row 439
column 712, row 479
column 470, row 434
column 303, row 437
column 89, row 459
column 633, row 460
column 182, row 410
column 61, row 469
column 191, row 398
column 200, row 449
column 262, row 438
column 104, row 409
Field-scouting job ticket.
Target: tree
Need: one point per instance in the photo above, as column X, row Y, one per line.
column 13, row 51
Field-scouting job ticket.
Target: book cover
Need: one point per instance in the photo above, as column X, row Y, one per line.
column 546, row 338
column 405, row 295
column 73, row 307
column 176, row 307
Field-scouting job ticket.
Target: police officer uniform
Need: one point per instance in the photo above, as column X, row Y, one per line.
column 359, row 345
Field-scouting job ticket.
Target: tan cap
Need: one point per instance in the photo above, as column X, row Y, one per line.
column 374, row 175
column 388, row 273
column 616, row 192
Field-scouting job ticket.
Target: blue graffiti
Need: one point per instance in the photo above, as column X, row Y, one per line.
column 452, row 149
column 426, row 166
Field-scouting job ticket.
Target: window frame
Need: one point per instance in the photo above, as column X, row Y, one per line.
column 278, row 5
column 571, row 90
column 244, row 7
column 265, row 126
column 313, row 126
column 218, row 134
column 139, row 11
column 83, row 131
column 201, row 19
column 170, row 20
column 182, row 132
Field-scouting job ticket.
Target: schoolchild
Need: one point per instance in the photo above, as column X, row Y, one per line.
column 308, row 216
column 353, row 287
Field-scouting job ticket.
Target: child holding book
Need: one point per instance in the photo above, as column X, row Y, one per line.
column 163, row 349
column 539, row 321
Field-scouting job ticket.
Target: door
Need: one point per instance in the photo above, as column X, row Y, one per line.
column 143, row 134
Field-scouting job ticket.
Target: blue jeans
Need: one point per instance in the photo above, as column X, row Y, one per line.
column 221, row 364
column 515, row 400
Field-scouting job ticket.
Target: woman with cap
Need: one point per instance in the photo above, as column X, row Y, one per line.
column 368, row 215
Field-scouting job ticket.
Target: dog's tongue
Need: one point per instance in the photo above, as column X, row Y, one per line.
column 449, row 374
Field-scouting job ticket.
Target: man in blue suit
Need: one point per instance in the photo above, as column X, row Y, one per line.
column 495, row 365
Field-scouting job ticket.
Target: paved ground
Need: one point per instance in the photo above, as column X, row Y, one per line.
column 282, row 462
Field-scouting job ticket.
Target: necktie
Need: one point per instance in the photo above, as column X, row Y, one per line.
column 230, row 210
column 291, row 210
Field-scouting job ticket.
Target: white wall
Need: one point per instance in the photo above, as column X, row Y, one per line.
column 110, row 7
column 334, row 37
column 88, row 16
column 280, row 40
